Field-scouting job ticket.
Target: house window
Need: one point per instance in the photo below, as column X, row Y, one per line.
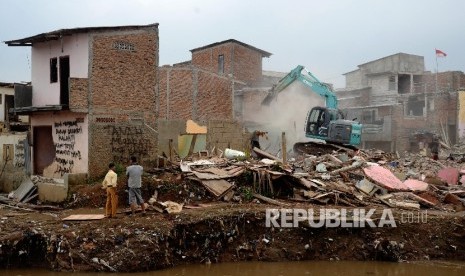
column 369, row 116
column 53, row 70
column 1, row 98
column 123, row 46
column 416, row 106
column 220, row 64
column 392, row 83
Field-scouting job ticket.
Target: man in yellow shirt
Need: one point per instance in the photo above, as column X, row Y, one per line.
column 109, row 183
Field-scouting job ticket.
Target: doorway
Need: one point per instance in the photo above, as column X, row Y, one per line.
column 64, row 81
column 45, row 153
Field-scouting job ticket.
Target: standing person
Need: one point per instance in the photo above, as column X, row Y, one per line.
column 134, row 174
column 109, row 183
column 434, row 146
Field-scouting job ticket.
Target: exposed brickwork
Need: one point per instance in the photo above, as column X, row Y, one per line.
column 122, row 99
column 207, row 59
column 214, row 97
column 243, row 63
column 247, row 64
column 441, row 107
column 79, row 94
column 190, row 93
column 446, row 81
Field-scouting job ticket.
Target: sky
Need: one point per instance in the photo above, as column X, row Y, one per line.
column 328, row 37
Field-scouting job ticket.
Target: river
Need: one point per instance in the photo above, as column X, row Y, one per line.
column 342, row 268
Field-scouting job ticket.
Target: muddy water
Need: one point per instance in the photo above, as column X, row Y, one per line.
column 283, row 269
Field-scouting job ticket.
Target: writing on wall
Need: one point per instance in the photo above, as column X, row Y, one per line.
column 129, row 141
column 19, row 156
column 66, row 152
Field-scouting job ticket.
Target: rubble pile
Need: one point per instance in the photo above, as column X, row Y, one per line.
column 211, row 209
column 345, row 178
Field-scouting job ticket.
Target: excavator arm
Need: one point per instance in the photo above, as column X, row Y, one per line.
column 308, row 80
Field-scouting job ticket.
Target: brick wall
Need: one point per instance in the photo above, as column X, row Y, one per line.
column 444, row 115
column 191, row 93
column 446, row 81
column 207, row 59
column 214, row 97
column 79, row 94
column 247, row 64
column 243, row 63
column 122, row 105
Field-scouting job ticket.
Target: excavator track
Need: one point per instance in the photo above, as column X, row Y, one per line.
column 316, row 148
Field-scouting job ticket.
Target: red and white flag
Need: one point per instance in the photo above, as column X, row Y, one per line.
column 440, row 53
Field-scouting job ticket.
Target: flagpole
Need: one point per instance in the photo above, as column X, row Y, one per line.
column 437, row 69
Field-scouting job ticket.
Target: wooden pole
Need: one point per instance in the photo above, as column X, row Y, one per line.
column 171, row 150
column 284, row 150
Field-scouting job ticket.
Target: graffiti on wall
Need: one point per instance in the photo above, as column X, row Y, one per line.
column 65, row 147
column 19, row 159
column 129, row 141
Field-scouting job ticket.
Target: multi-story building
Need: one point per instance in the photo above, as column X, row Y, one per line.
column 92, row 98
column 395, row 98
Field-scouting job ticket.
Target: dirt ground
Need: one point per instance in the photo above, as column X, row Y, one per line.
column 214, row 231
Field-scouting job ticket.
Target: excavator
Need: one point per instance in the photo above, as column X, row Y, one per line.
column 325, row 123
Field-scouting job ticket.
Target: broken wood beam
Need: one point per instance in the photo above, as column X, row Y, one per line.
column 266, row 154
column 171, row 150
column 284, row 150
column 269, row 200
column 333, row 158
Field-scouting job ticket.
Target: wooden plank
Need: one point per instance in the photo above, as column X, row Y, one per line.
column 207, row 176
column 84, row 217
column 271, row 201
column 266, row 154
column 284, row 150
column 193, row 141
column 216, row 171
column 217, row 187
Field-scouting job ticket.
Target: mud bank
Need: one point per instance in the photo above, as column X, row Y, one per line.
column 220, row 233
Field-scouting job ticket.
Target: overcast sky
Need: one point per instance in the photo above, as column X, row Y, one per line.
column 329, row 37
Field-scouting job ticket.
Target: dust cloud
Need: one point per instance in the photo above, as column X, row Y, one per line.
column 287, row 113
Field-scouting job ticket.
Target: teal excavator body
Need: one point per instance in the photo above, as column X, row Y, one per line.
column 325, row 123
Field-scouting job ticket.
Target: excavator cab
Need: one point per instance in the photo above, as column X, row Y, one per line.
column 318, row 121
column 329, row 124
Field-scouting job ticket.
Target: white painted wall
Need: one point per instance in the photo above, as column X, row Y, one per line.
column 13, row 171
column 76, row 47
column 4, row 91
column 71, row 140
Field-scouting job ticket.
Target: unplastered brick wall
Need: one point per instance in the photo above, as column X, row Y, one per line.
column 444, row 115
column 243, row 63
column 207, row 59
column 79, row 94
column 191, row 93
column 247, row 64
column 226, row 134
column 122, row 99
column 117, row 142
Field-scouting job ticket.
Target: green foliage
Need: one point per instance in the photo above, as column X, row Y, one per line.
column 247, row 193
column 120, row 169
